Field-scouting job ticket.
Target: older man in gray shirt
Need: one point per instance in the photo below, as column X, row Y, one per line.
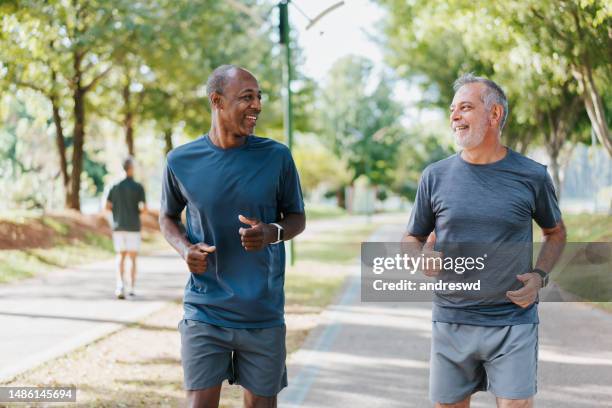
column 487, row 194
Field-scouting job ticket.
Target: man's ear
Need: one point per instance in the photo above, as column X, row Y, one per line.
column 216, row 100
column 496, row 114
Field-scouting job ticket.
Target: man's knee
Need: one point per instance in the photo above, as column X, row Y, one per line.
column 206, row 398
column 465, row 403
column 256, row 401
column 514, row 403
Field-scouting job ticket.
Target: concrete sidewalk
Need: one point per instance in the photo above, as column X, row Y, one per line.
column 45, row 317
column 377, row 355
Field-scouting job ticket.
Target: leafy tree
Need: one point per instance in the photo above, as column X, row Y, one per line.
column 361, row 127
column 434, row 42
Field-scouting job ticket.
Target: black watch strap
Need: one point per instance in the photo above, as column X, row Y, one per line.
column 543, row 275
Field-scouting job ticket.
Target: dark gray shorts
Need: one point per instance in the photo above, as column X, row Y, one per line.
column 466, row 359
column 253, row 358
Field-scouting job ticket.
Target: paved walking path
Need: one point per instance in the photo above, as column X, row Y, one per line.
column 48, row 316
column 376, row 355
column 45, row 317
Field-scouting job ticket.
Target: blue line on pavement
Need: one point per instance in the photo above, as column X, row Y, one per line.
column 307, row 375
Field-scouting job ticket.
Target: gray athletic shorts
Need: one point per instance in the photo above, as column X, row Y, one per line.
column 466, row 359
column 253, row 358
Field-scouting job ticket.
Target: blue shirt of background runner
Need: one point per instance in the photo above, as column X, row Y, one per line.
column 239, row 289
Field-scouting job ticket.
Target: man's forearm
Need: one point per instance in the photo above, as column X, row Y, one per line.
column 415, row 240
column 293, row 224
column 173, row 230
column 552, row 247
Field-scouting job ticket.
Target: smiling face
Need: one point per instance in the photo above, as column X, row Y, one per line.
column 468, row 116
column 240, row 104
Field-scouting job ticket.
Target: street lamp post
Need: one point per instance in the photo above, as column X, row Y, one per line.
column 285, row 40
column 283, row 8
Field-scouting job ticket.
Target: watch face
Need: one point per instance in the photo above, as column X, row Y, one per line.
column 281, row 234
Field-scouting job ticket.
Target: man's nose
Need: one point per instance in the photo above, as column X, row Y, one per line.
column 256, row 104
column 455, row 115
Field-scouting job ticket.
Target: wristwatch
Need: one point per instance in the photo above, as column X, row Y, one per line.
column 280, row 235
column 543, row 275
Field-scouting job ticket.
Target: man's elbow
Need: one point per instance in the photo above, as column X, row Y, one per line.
column 558, row 233
column 562, row 232
column 162, row 219
column 301, row 223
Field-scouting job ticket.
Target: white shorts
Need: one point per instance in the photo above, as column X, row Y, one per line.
column 126, row 241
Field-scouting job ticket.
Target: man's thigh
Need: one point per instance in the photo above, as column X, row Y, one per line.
column 132, row 241
column 206, row 354
column 512, row 363
column 259, row 360
column 456, row 370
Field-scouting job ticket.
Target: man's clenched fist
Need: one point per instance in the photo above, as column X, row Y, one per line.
column 257, row 236
column 196, row 256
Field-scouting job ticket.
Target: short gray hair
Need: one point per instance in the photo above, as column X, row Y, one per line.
column 128, row 162
column 493, row 93
column 219, row 78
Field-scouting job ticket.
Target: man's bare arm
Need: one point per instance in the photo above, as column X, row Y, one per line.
column 415, row 245
column 552, row 247
column 554, row 242
column 174, row 231
column 293, row 224
column 260, row 234
column 195, row 255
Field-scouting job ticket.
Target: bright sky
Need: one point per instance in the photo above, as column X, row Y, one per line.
column 344, row 31
column 341, row 32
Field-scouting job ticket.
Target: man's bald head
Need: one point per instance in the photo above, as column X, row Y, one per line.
column 219, row 78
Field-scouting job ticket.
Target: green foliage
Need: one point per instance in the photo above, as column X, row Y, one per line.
column 361, row 127
column 421, row 149
column 96, row 172
column 317, row 164
column 139, row 65
column 531, row 47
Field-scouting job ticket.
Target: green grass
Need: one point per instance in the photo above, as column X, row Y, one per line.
column 20, row 264
column 311, row 291
column 319, row 211
column 335, row 246
column 25, row 263
column 323, row 262
column 588, row 227
column 579, row 277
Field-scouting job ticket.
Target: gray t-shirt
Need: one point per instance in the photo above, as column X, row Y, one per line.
column 491, row 207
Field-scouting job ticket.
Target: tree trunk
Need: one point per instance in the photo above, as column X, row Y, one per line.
column 594, row 107
column 61, row 149
column 128, row 122
column 168, row 140
column 78, row 135
column 59, row 140
column 554, row 142
column 555, row 171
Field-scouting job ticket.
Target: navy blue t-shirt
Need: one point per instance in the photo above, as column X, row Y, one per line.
column 491, row 205
column 259, row 180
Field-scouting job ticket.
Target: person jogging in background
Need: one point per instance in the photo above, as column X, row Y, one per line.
column 126, row 200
